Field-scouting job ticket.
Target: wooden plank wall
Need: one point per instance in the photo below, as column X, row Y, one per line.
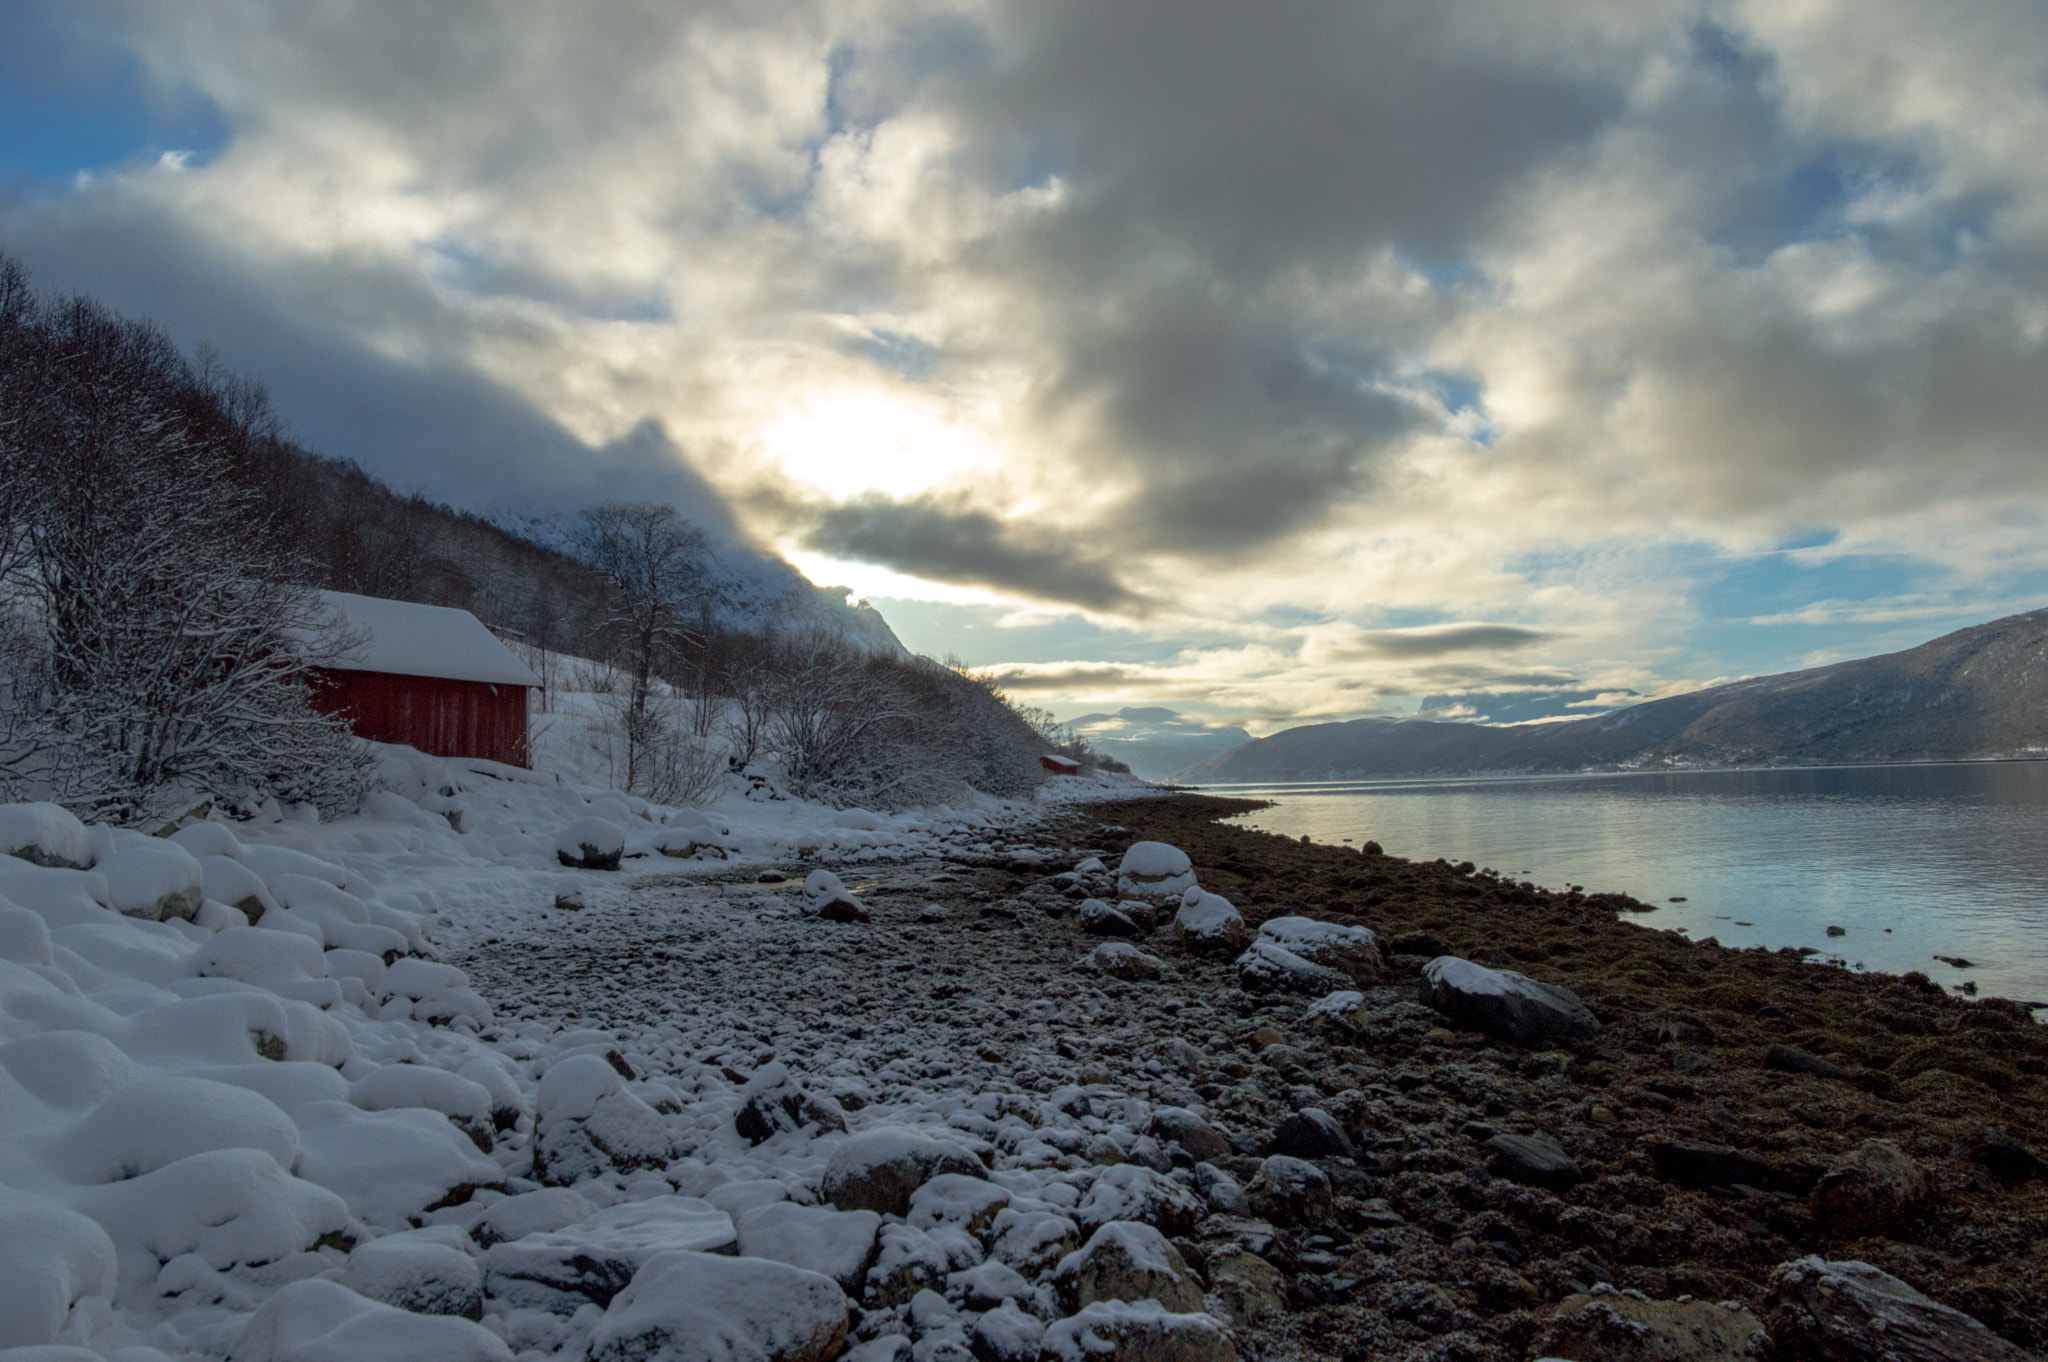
column 442, row 717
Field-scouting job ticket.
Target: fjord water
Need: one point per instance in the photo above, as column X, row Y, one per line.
column 1912, row 861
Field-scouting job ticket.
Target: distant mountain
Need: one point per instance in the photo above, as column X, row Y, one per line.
column 1980, row 692
column 1155, row 742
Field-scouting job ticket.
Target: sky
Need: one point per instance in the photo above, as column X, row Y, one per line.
column 1273, row 363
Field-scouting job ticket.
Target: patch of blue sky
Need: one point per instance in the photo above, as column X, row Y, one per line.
column 905, row 355
column 68, row 109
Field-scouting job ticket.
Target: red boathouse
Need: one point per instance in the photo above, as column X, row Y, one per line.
column 428, row 677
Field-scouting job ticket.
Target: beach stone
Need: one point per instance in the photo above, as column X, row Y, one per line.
column 1121, row 960
column 1154, row 872
column 773, row 1102
column 987, row 1285
column 1130, row 1192
column 1290, row 1191
column 1220, row 1190
column 1340, row 1015
column 1613, row 1327
column 1125, row 1261
column 591, row 844
column 1876, row 1189
column 1006, row 1334
column 1178, row 1125
column 1351, row 951
column 589, row 1124
column 1505, row 1004
column 837, row 1244
column 418, row 1271
column 906, row 1262
column 878, row 1170
column 963, row 1203
column 1709, row 1165
column 1532, row 1160
column 827, row 899
column 1821, row 1311
column 1425, row 944
column 593, row 1259
column 1785, row 1059
column 515, row 1217
column 1123, row 1331
column 1245, row 1287
column 1268, row 967
column 45, row 834
column 697, row 1307
column 1209, row 924
column 1031, row 1241
column 1099, row 919
column 314, row 1320
column 2004, row 1155
column 1311, row 1133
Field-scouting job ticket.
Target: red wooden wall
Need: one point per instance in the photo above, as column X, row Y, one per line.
column 438, row 716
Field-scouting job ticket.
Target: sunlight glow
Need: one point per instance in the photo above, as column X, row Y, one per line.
column 873, row 440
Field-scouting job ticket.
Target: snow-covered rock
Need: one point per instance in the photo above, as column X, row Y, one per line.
column 1209, row 924
column 51, row 1259
column 1142, row 1331
column 1154, row 872
column 1290, row 1191
column 1128, row 1191
column 1099, row 919
column 432, row 992
column 323, row 1321
column 515, row 1217
column 1124, row 1261
column 1007, row 1334
column 397, row 1086
column 1342, row 1012
column 391, row 1167
column 878, row 1170
column 907, row 1261
column 773, row 1102
column 593, row 1259
column 826, row 897
column 591, row 843
column 46, row 835
column 697, row 1307
column 839, row 1244
column 1268, row 967
column 1353, row 951
column 952, row 1201
column 419, row 1270
column 1121, row 960
column 588, row 1124
column 153, row 879
column 1032, row 1239
column 1503, row 1003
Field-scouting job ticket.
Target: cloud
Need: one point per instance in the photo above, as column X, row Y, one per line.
column 1075, row 676
column 948, row 542
column 1436, row 640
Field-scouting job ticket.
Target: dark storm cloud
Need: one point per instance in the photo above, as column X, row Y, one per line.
column 1072, row 676
column 1438, row 640
column 944, row 541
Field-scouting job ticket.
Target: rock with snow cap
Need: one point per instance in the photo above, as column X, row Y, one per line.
column 987, row 1285
column 1505, row 1004
column 966, row 1203
column 1130, row 1192
column 323, row 1321
column 1006, row 1334
column 1268, row 967
column 839, row 1244
column 1126, row 1261
column 1341, row 1014
column 1841, row 1311
column 515, row 1217
column 1142, row 1331
column 588, row 1124
column 423, row 1271
column 1351, row 951
column 1099, row 919
column 1121, row 960
column 825, row 897
column 51, row 1258
column 878, row 1170
column 1178, row 1125
column 1032, row 1239
column 593, row 1259
column 697, row 1307
column 391, row 1167
column 1209, row 924
column 1154, row 872
column 396, row 1086
column 1290, row 1191
column 906, row 1261
column 153, row 879
column 774, row 1102
column 44, row 834
column 591, row 843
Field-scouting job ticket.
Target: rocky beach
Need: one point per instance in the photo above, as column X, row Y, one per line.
column 1402, row 1142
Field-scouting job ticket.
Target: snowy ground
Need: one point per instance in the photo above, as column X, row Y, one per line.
column 248, row 1110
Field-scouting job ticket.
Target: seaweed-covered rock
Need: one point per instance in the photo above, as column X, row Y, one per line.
column 1503, row 1003
column 1821, row 1311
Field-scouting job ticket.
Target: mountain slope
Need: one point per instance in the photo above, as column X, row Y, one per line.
column 1977, row 693
column 1154, row 742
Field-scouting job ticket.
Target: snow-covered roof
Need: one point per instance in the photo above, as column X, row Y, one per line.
column 422, row 640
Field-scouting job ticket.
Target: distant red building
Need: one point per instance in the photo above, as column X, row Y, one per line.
column 428, row 677
column 1060, row 766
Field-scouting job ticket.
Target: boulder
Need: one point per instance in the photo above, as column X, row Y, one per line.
column 424, row 1271
column 697, row 1307
column 950, row 1201
column 1178, row 1125
column 1006, row 1334
column 1128, row 1191
column 323, row 1321
column 1351, row 951
column 907, row 1261
column 1290, row 1191
column 1154, row 872
column 51, row 1259
column 1099, row 919
column 773, row 1102
column 591, row 844
column 1311, row 1133
column 1505, row 1004
column 1143, row 1331
column 2004, row 1155
column 45, row 834
column 1220, row 1190
column 1341, row 1015
column 1821, row 1311
column 391, row 1167
column 1245, row 1286
column 1785, row 1059
column 837, row 1244
column 1124, row 1261
column 825, row 897
column 1712, row 1165
column 1121, row 960
column 1533, row 1161
column 1617, row 1327
column 1875, row 1190
column 1268, row 967
column 1031, row 1240
column 589, row 1124
column 987, row 1285
column 878, row 1170
column 515, row 1217
column 154, row 880
column 1209, row 924
column 591, row 1261
column 397, row 1086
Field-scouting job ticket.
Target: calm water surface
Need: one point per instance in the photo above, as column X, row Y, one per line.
column 1913, row 861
